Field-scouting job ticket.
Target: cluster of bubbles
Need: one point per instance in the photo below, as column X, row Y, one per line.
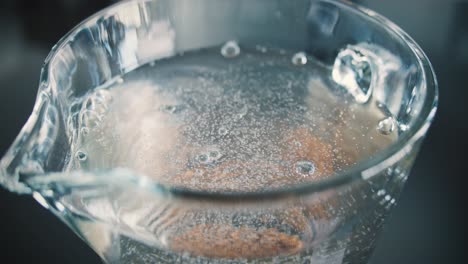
column 222, row 131
column 209, row 157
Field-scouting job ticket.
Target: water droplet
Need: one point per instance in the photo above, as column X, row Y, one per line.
column 222, row 131
column 403, row 127
column 384, row 109
column 386, row 126
column 230, row 49
column 169, row 108
column 305, row 168
column 59, row 206
column 38, row 197
column 84, row 131
column 81, row 156
column 388, row 197
column 299, row 59
column 411, row 101
column 389, row 171
column 119, row 80
column 381, row 192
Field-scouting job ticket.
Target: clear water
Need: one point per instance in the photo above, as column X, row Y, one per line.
column 229, row 120
column 224, row 119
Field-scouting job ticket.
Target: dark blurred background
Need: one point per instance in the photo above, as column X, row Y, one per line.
column 426, row 227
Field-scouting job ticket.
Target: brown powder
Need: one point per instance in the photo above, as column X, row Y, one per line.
column 246, row 242
column 223, row 241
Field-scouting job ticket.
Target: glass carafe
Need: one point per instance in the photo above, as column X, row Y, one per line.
column 127, row 217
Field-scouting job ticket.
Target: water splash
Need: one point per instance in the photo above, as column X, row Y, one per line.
column 352, row 70
column 367, row 70
column 386, row 126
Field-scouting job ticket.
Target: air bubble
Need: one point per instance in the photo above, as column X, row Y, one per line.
column 84, row 131
column 299, row 59
column 381, row 192
column 242, row 112
column 203, row 158
column 119, row 80
column 198, row 172
column 388, row 197
column 222, row 131
column 214, row 154
column 386, row 126
column 230, row 50
column 305, row 168
column 171, row 109
column 81, row 156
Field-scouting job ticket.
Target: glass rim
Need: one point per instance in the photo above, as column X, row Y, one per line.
column 364, row 169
